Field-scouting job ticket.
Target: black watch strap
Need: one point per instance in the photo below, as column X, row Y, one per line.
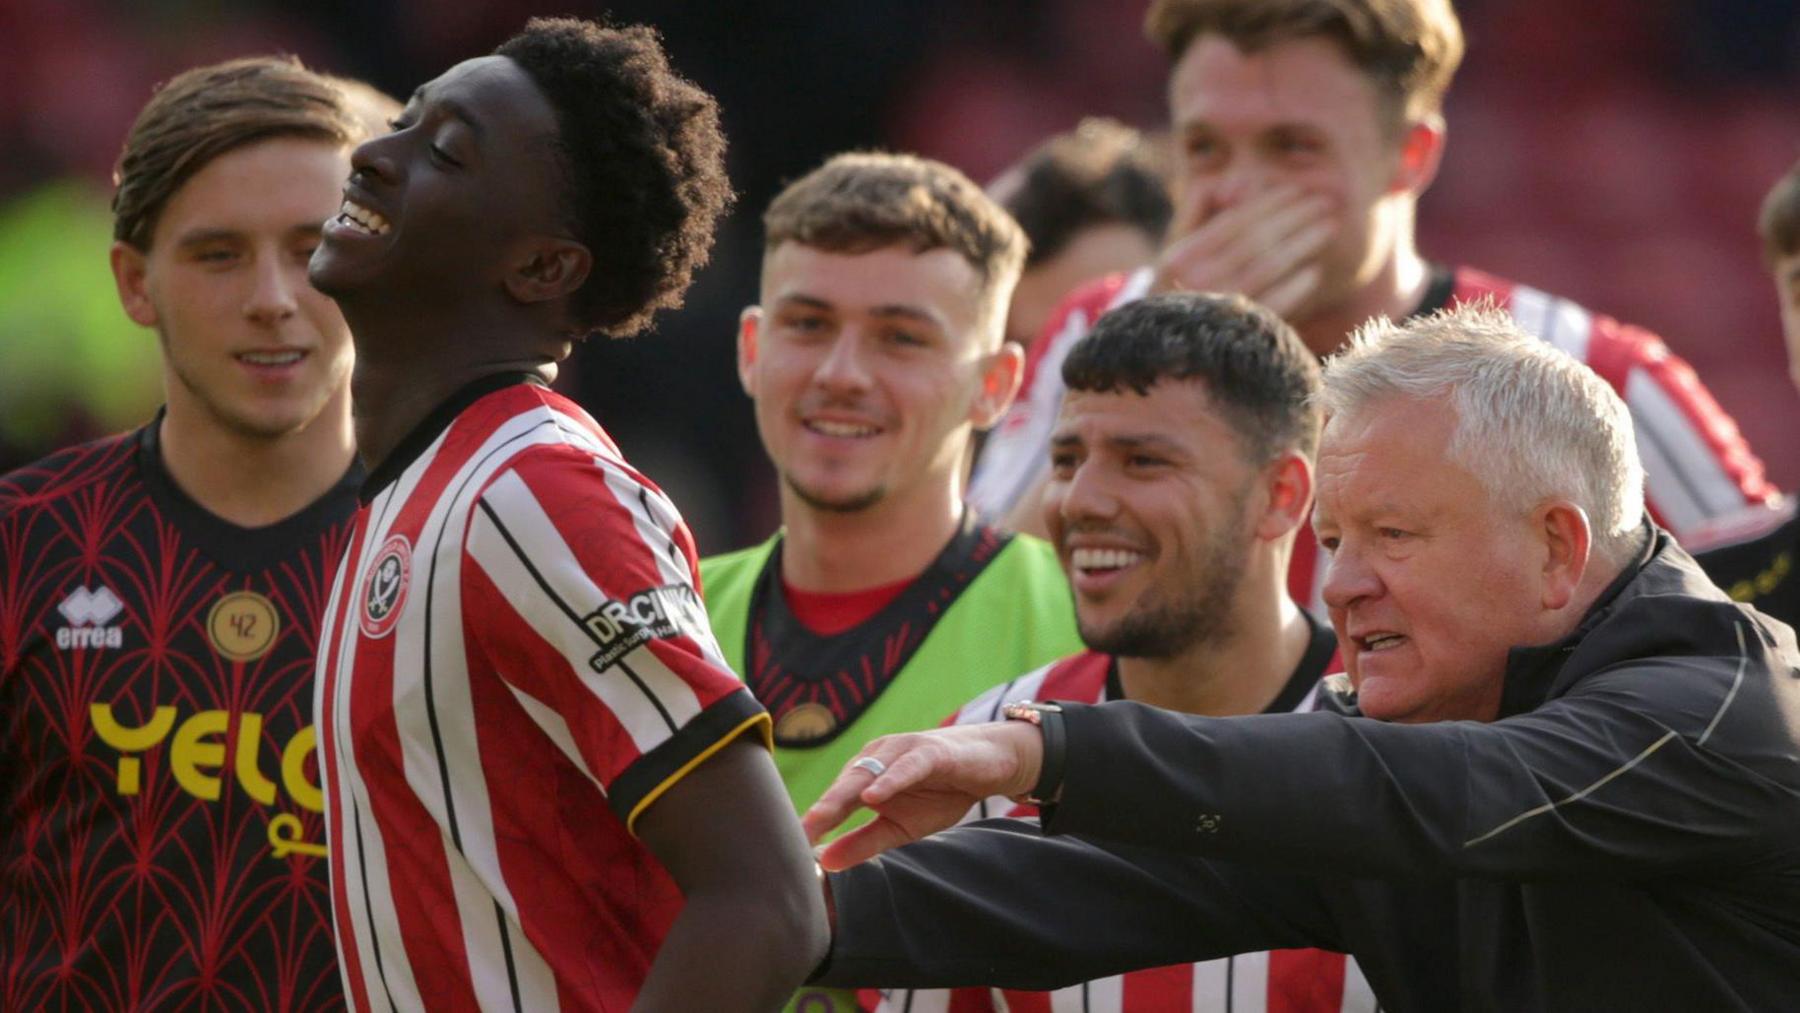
column 1049, row 719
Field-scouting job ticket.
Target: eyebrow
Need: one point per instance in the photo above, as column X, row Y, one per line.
column 456, row 109
column 1136, row 441
column 884, row 310
column 204, row 236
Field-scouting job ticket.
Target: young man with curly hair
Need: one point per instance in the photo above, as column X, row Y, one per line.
column 547, row 790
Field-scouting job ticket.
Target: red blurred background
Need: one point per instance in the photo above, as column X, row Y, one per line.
column 1614, row 151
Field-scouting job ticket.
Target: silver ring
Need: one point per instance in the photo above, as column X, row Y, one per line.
column 872, row 765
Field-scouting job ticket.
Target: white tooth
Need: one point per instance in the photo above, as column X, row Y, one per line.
column 271, row 358
column 841, row 428
column 1104, row 559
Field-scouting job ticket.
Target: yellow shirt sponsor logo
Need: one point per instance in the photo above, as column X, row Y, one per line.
column 196, row 758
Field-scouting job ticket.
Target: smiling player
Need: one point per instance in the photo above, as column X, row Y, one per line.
column 161, row 828
column 546, row 788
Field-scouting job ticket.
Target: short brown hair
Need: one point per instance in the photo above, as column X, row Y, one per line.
column 209, row 111
column 1780, row 219
column 1102, row 172
column 863, row 201
column 1409, row 48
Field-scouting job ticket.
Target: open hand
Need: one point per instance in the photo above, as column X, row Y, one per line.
column 920, row 783
column 1265, row 248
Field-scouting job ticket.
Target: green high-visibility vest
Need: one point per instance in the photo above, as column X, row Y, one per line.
column 1014, row 616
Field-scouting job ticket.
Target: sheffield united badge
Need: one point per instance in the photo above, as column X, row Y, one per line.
column 384, row 587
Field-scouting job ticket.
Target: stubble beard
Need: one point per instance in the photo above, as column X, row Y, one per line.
column 1175, row 622
column 846, row 504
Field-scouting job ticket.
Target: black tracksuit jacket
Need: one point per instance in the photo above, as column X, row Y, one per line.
column 1626, row 836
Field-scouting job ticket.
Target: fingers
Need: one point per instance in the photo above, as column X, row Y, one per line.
column 1287, row 296
column 1252, row 247
column 844, row 797
column 862, row 844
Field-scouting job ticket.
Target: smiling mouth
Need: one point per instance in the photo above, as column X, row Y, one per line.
column 1104, row 560
column 285, row 358
column 361, row 219
column 842, row 430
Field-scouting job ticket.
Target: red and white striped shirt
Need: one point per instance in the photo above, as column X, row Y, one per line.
column 1696, row 464
column 514, row 664
column 1274, row 981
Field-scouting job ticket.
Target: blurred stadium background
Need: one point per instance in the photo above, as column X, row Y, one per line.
column 1613, row 151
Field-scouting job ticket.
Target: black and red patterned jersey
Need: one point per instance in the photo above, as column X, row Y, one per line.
column 162, row 834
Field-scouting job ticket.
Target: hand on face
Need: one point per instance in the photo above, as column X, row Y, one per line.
column 928, row 781
column 1265, row 247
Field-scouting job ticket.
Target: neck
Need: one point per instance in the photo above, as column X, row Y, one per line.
column 1394, row 292
column 408, row 365
column 889, row 542
column 254, row 481
column 1230, row 674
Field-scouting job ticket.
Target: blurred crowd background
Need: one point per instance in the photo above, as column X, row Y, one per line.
column 1614, row 151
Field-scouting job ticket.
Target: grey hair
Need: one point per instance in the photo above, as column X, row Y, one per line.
column 1533, row 424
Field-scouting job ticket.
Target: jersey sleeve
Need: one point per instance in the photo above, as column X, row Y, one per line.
column 579, row 581
column 1016, row 454
column 1697, row 465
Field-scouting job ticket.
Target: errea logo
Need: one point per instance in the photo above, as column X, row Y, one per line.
column 89, row 613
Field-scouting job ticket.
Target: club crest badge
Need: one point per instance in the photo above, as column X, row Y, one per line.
column 384, row 587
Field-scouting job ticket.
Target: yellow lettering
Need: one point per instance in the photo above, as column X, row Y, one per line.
column 288, row 837
column 249, row 737
column 293, row 771
column 188, row 754
column 130, row 740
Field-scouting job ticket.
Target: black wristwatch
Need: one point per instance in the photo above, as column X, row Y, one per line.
column 1049, row 719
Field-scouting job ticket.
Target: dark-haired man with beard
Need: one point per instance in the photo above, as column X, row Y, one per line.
column 546, row 788
column 1181, row 469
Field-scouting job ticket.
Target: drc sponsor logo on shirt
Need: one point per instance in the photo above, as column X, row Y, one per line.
column 89, row 614
column 620, row 627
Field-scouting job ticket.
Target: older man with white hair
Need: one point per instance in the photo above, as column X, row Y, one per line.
column 1563, row 771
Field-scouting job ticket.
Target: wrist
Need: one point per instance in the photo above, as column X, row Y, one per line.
column 1046, row 788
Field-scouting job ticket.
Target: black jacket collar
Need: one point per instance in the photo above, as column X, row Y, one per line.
column 1639, row 606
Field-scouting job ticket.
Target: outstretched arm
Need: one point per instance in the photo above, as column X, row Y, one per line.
column 754, row 923
column 996, row 903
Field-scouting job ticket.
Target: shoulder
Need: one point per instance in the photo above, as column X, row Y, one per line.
column 1751, row 527
column 67, row 472
column 1076, row 313
column 1078, row 677
column 1025, row 570
column 730, row 567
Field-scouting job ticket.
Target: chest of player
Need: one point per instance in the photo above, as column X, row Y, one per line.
column 143, row 674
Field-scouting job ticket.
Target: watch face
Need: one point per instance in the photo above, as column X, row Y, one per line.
column 1032, row 712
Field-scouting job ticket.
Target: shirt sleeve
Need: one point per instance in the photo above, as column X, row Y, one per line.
column 1664, row 766
column 1697, row 465
column 996, row 903
column 579, row 579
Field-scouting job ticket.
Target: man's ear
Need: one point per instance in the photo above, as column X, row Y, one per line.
column 548, row 268
column 128, row 268
column 1001, row 374
column 749, row 332
column 1568, row 539
column 1288, row 483
column 1421, row 152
